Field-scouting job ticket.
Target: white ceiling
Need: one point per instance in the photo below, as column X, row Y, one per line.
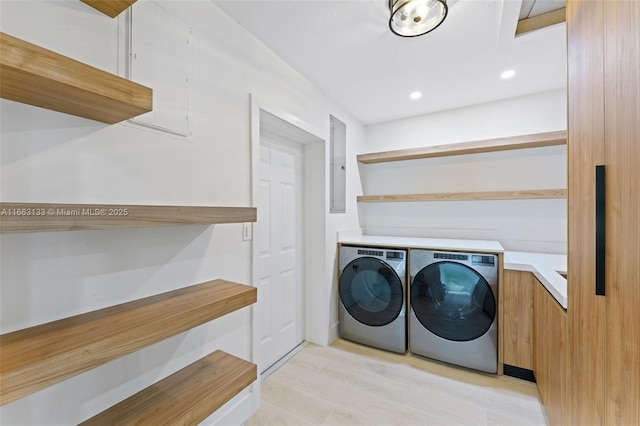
column 346, row 48
column 538, row 7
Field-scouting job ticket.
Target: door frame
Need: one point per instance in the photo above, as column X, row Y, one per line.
column 267, row 118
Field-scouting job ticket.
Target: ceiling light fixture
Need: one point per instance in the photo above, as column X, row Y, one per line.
column 415, row 95
column 411, row 18
column 506, row 75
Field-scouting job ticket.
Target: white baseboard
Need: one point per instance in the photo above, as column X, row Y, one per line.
column 235, row 412
column 334, row 332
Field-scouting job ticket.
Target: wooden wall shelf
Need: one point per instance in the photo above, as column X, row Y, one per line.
column 111, row 8
column 37, row 76
column 541, row 21
column 490, row 145
column 186, row 397
column 466, row 196
column 41, row 356
column 42, row 217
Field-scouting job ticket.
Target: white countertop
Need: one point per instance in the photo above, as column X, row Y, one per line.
column 480, row 246
column 545, row 267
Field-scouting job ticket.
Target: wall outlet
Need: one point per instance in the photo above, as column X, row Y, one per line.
column 246, row 231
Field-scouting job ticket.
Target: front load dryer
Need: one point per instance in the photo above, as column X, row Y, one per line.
column 453, row 302
column 372, row 291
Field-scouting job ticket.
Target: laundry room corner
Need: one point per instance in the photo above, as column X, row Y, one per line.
column 530, row 225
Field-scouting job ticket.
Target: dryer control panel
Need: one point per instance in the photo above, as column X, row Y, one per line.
column 476, row 260
column 450, row 256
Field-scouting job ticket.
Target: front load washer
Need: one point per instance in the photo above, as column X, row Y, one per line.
column 372, row 290
column 453, row 301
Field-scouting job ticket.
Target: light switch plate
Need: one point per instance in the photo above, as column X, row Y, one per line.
column 246, row 232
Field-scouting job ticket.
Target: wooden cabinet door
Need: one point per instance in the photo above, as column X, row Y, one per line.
column 604, row 128
column 550, row 353
column 585, row 149
column 517, row 319
column 622, row 163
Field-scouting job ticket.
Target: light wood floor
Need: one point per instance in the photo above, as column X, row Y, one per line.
column 349, row 384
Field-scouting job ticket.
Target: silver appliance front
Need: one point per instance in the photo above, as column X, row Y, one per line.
column 453, row 302
column 372, row 297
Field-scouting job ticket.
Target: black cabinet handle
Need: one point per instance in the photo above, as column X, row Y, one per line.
column 600, row 231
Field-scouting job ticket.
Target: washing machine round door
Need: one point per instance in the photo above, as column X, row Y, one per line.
column 371, row 291
column 453, row 301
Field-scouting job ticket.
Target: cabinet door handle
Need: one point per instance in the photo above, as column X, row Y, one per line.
column 600, row 231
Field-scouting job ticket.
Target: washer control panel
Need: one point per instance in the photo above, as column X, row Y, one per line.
column 450, row 256
column 395, row 255
column 377, row 253
column 480, row 260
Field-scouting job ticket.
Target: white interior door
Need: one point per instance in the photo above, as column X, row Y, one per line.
column 279, row 236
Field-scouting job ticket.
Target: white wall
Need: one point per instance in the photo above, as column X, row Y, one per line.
column 525, row 225
column 52, row 157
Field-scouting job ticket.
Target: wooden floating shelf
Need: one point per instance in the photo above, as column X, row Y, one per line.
column 41, row 356
column 111, row 8
column 186, row 397
column 37, row 76
column 541, row 21
column 490, row 145
column 41, row 217
column 466, row 196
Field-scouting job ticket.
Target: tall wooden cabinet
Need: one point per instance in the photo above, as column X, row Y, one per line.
column 604, row 129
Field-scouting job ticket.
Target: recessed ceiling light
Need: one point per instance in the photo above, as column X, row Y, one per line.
column 415, row 95
column 506, row 75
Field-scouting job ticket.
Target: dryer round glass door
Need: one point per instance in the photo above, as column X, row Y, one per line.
column 371, row 291
column 453, row 301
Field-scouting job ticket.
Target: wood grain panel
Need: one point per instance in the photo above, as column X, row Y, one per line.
column 186, row 397
column 475, row 147
column 111, row 8
column 541, row 21
column 622, row 154
column 585, row 149
column 40, row 217
column 40, row 356
column 550, row 353
column 466, row 196
column 517, row 325
column 37, row 76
